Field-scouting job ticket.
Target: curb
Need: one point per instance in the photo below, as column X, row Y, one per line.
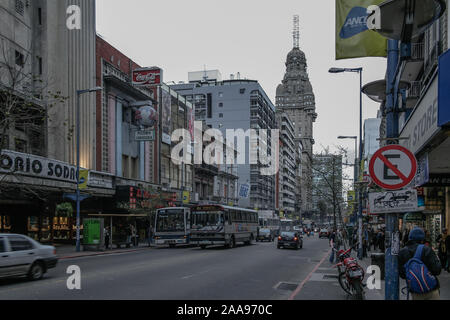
column 101, row 253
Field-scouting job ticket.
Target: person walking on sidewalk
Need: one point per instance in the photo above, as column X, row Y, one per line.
column 333, row 245
column 107, row 238
column 428, row 257
column 443, row 249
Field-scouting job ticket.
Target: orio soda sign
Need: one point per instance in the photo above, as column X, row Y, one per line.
column 147, row 77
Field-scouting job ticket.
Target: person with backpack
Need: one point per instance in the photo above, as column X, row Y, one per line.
column 420, row 266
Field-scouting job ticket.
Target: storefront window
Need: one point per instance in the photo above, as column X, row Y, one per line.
column 45, row 229
column 61, row 228
column 33, row 227
column 5, row 224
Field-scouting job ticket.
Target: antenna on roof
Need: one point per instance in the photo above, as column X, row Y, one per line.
column 205, row 75
column 296, row 32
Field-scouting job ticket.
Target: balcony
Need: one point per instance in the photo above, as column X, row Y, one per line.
column 413, row 94
column 413, row 61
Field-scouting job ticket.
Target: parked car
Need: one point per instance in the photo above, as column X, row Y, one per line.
column 265, row 235
column 290, row 240
column 323, row 233
column 23, row 256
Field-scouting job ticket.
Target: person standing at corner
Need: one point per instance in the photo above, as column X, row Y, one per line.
column 428, row 257
column 332, row 241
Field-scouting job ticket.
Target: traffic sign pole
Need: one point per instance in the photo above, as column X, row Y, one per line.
column 392, row 175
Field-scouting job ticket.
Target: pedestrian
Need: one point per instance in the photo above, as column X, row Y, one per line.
column 128, row 233
column 107, row 237
column 133, row 235
column 416, row 248
column 405, row 237
column 365, row 242
column 443, row 249
column 332, row 242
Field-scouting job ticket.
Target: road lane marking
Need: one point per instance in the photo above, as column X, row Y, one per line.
column 300, row 287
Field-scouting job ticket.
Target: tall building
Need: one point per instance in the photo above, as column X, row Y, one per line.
column 236, row 104
column 287, row 179
column 295, row 97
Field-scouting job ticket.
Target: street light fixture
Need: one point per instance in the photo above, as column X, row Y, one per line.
column 360, row 71
column 79, row 93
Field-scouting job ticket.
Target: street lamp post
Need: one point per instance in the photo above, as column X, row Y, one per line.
column 355, row 171
column 360, row 224
column 79, row 93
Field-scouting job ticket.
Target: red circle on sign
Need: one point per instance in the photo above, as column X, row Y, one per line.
column 406, row 181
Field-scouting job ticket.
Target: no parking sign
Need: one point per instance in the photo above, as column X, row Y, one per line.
column 393, row 167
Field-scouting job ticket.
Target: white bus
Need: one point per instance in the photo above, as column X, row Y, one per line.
column 172, row 226
column 272, row 223
column 287, row 225
column 222, row 225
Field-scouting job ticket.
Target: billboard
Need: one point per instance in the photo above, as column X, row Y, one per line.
column 353, row 37
column 147, row 77
column 166, row 123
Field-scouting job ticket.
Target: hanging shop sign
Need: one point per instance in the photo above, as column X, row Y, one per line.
column 30, row 165
column 394, row 201
column 414, row 217
column 145, row 135
column 166, row 122
column 130, row 198
column 444, row 89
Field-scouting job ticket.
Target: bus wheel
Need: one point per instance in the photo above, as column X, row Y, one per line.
column 203, row 247
column 232, row 243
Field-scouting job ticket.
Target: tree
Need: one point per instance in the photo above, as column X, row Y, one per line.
column 328, row 183
column 24, row 104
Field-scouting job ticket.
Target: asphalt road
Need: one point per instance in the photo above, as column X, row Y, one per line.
column 256, row 272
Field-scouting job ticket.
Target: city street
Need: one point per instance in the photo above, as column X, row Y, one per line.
column 260, row 271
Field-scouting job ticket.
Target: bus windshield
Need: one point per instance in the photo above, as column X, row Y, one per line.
column 170, row 221
column 202, row 219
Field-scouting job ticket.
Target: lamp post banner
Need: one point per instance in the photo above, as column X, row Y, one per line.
column 353, row 37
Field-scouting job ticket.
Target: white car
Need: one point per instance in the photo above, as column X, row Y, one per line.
column 23, row 256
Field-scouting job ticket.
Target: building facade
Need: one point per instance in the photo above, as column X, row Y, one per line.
column 233, row 105
column 295, row 97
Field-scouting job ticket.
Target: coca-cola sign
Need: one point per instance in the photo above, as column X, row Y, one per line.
column 147, row 77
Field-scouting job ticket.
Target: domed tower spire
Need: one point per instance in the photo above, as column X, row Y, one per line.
column 296, row 32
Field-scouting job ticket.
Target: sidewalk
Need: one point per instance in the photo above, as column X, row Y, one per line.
column 444, row 279
column 69, row 251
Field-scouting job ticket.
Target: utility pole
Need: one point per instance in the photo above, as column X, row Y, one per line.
column 392, row 277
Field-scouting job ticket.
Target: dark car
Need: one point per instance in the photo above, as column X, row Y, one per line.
column 265, row 235
column 324, row 233
column 290, row 240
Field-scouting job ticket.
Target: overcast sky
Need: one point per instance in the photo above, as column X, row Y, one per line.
column 252, row 37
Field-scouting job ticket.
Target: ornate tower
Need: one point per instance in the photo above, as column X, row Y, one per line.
column 295, row 96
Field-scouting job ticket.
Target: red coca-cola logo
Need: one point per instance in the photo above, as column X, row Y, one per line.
column 147, row 77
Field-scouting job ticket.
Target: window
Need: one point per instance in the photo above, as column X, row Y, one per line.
column 221, row 105
column 20, row 7
column 20, row 145
column 20, row 59
column 220, row 94
column 39, row 61
column 220, row 115
column 2, row 245
column 19, row 244
column 40, row 16
column 242, row 91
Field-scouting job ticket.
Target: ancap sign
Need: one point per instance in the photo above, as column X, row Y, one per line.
column 393, row 167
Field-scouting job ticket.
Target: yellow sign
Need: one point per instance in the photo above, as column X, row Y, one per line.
column 186, row 197
column 353, row 37
column 84, row 178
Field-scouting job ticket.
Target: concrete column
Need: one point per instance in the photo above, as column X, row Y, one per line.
column 119, row 110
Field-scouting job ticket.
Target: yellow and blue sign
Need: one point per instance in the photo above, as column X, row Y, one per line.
column 353, row 37
column 84, row 178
